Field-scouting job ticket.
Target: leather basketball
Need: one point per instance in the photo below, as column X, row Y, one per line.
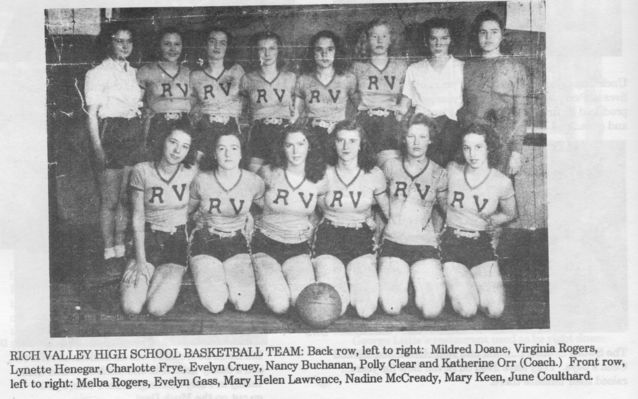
column 318, row 305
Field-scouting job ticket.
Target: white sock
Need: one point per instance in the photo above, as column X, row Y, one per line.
column 119, row 251
column 109, row 253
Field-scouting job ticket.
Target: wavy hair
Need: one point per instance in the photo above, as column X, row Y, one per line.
column 104, row 41
column 168, row 30
column 254, row 49
column 230, row 56
column 366, row 158
column 362, row 48
column 492, row 141
column 483, row 16
column 183, row 126
column 418, row 119
column 208, row 161
column 315, row 166
column 308, row 65
column 438, row 23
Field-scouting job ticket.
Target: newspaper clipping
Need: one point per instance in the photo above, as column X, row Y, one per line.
column 243, row 200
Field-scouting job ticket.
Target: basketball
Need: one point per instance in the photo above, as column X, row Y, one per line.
column 318, row 305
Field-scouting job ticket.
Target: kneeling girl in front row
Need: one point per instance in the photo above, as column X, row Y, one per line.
column 480, row 198
column 159, row 194
column 221, row 197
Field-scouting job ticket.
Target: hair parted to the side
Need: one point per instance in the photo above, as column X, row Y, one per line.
column 418, row 119
column 230, row 57
column 315, row 166
column 341, row 64
column 209, row 162
column 104, row 41
column 492, row 141
column 254, row 49
column 438, row 23
column 483, row 16
column 183, row 125
column 167, row 30
column 366, row 158
column 362, row 48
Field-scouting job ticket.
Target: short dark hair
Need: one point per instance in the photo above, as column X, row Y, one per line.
column 366, row 158
column 265, row 35
column 418, row 119
column 308, row 65
column 208, row 161
column 167, row 30
column 492, row 141
column 315, row 166
column 230, row 57
column 104, row 41
column 438, row 23
column 483, row 16
column 182, row 126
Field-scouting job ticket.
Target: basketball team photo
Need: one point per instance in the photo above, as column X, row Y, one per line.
column 293, row 169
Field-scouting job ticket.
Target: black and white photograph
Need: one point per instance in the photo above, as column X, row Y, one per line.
column 270, row 199
column 354, row 167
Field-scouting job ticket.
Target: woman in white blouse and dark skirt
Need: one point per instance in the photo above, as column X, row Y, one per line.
column 115, row 131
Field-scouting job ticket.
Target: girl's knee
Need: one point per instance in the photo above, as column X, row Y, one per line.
column 278, row 304
column 494, row 309
column 131, row 307
column 243, row 299
column 390, row 303
column 365, row 307
column 158, row 307
column 432, row 308
column 465, row 306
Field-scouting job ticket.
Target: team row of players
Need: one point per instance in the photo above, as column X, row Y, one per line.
column 383, row 89
column 289, row 251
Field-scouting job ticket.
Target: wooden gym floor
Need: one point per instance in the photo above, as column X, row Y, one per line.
column 85, row 303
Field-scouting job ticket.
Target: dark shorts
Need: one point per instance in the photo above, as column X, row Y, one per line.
column 121, row 141
column 279, row 251
column 162, row 247
column 384, row 132
column 158, row 127
column 408, row 253
column 208, row 131
column 263, row 138
column 221, row 248
column 465, row 250
column 446, row 144
column 345, row 243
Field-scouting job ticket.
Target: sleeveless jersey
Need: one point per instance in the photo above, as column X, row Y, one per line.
column 380, row 88
column 287, row 209
column 465, row 203
column 327, row 102
column 165, row 93
column 272, row 99
column 165, row 200
column 351, row 202
column 225, row 208
column 218, row 95
column 411, row 200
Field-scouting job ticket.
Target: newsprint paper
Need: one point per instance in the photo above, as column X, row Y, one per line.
column 569, row 263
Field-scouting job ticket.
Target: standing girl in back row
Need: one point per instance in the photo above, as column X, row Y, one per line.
column 380, row 80
column 166, row 86
column 215, row 90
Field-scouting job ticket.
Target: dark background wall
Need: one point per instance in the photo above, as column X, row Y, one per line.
column 72, row 183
